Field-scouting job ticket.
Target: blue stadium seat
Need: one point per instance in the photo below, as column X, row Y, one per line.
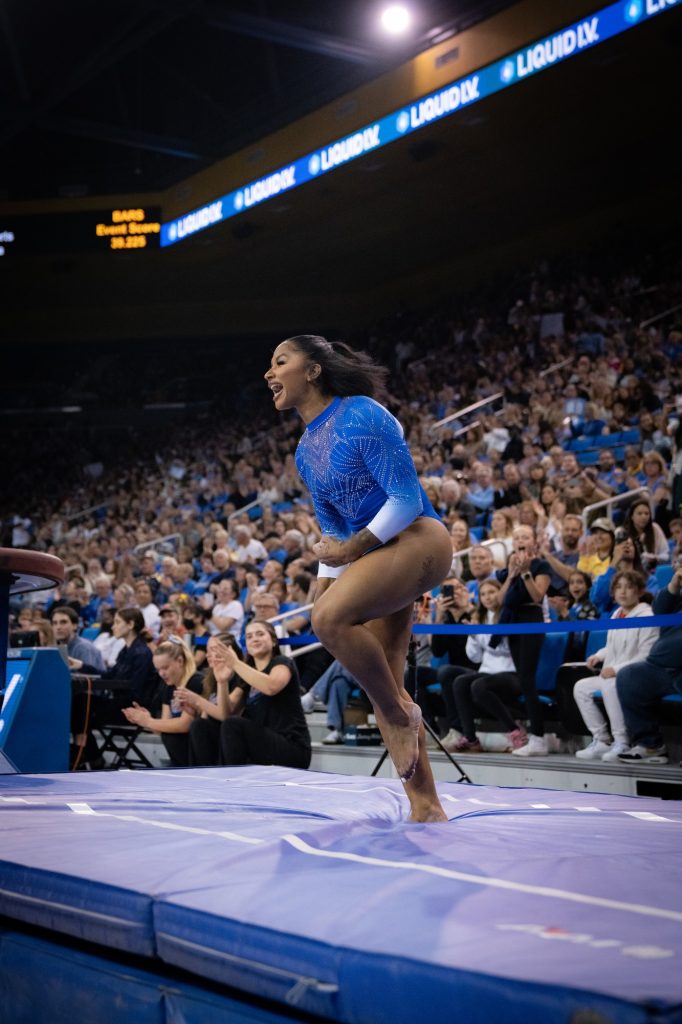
column 477, row 533
column 632, row 436
column 551, row 657
column 663, row 574
column 595, row 641
column 578, row 444
column 91, row 632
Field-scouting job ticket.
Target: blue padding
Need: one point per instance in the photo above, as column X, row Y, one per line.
column 105, row 912
column 41, row 981
column 315, row 890
column 45, row 981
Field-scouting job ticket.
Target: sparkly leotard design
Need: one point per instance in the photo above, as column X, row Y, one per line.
column 354, row 461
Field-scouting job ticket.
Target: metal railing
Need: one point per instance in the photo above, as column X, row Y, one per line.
column 468, row 408
column 465, row 430
column 607, row 504
column 556, row 366
column 148, row 544
column 245, row 508
column 291, row 614
column 87, row 511
column 493, row 398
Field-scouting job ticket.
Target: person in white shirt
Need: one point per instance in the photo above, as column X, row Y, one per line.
column 227, row 613
column 492, row 684
column 150, row 611
column 248, row 549
column 623, row 646
column 108, row 645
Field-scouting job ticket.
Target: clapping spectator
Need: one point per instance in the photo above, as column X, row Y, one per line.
column 525, row 584
column 175, row 665
column 263, row 722
column 207, row 709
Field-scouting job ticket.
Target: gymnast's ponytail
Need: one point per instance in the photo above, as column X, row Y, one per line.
column 343, row 371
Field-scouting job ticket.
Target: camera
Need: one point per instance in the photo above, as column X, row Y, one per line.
column 621, row 535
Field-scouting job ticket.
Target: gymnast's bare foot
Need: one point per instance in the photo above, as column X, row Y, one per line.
column 402, row 738
column 427, row 812
column 425, row 805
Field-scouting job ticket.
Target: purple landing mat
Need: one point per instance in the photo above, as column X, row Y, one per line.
column 312, row 889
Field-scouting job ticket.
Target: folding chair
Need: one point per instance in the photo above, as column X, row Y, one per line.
column 121, row 742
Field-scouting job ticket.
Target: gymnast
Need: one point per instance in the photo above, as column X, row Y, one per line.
column 382, row 544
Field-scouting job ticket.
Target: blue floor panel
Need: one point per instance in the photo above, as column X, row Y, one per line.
column 314, row 891
column 82, row 987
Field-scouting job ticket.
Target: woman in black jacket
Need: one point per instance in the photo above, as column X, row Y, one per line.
column 132, row 678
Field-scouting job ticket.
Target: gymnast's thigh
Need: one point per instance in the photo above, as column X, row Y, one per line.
column 388, row 580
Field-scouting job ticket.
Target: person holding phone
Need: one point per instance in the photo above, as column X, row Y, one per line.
column 489, row 684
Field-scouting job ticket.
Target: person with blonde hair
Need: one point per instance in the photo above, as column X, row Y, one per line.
column 207, row 708
column 174, row 662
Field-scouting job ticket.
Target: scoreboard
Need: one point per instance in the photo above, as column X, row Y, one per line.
column 112, row 230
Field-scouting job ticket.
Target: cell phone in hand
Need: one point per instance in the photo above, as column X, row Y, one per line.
column 448, row 591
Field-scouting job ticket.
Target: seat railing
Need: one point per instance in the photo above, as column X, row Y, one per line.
column 149, row 544
column 607, row 504
column 291, row 614
column 468, row 408
column 245, row 508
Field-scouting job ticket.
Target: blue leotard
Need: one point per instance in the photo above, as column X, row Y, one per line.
column 359, row 471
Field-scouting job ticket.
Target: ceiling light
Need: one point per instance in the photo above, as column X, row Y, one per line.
column 395, row 19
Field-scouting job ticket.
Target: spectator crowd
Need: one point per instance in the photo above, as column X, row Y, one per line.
column 545, row 422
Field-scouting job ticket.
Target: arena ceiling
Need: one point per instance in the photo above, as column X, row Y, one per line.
column 131, row 95
column 101, row 93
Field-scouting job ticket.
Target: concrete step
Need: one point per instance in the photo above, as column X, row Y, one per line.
column 557, row 771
